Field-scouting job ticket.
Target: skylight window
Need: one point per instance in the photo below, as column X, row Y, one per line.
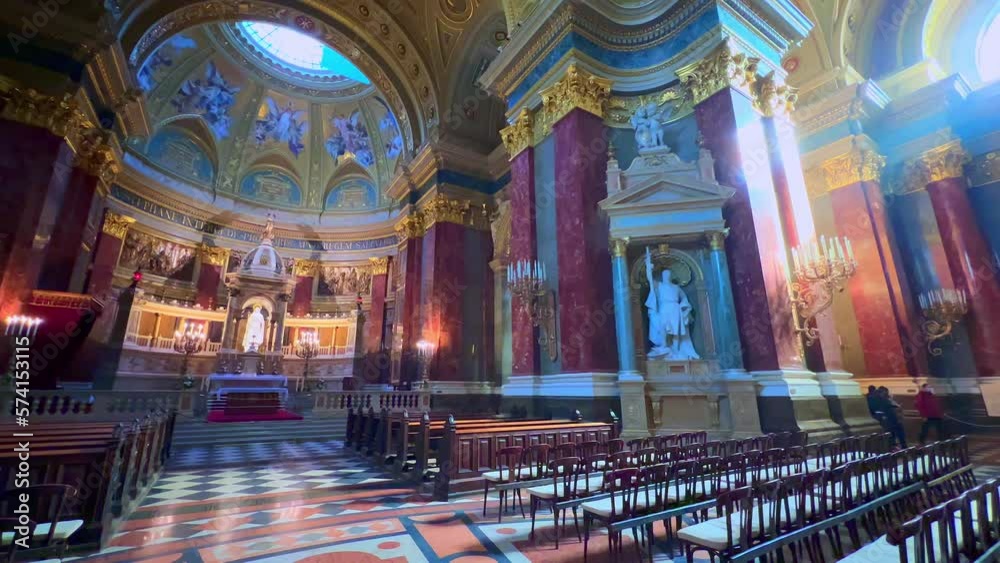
column 300, row 50
column 988, row 52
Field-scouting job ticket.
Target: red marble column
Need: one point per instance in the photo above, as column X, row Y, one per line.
column 35, row 172
column 756, row 249
column 586, row 312
column 305, row 276
column 972, row 269
column 523, row 246
column 63, row 249
column 879, row 291
column 407, row 328
column 209, row 278
column 376, row 317
column 106, row 252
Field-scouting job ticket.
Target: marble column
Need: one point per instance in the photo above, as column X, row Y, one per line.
column 969, row 255
column 727, row 337
column 526, row 355
column 64, row 246
column 376, row 316
column 406, row 331
column 282, row 311
column 114, row 228
column 213, row 264
column 623, row 311
column 232, row 313
column 305, row 276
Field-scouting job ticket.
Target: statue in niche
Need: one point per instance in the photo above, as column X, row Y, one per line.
column 706, row 163
column 500, row 223
column 254, row 336
column 669, row 317
column 648, row 123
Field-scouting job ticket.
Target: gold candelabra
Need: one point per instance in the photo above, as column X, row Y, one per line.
column 190, row 340
column 820, row 269
column 942, row 308
column 425, row 353
column 307, row 348
column 527, row 280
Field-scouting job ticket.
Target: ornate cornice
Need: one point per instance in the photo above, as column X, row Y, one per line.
column 411, row 226
column 306, row 268
column 519, row 135
column 985, row 169
column 722, row 68
column 576, row 89
column 116, row 224
column 772, row 98
column 380, row 265
column 214, row 255
column 940, row 163
column 849, row 168
column 63, row 117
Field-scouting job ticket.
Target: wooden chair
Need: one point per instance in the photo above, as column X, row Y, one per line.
column 984, row 508
column 50, row 533
column 8, row 531
column 509, row 470
column 727, row 535
column 535, row 464
column 565, row 473
column 622, row 486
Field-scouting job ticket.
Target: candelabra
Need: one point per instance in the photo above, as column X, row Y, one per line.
column 820, row 270
column 942, row 308
column 190, row 340
column 527, row 280
column 425, row 352
column 20, row 325
column 307, row 348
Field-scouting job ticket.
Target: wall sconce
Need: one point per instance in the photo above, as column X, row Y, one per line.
column 527, row 282
column 942, row 308
column 820, row 270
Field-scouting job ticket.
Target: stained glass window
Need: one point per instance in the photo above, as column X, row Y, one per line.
column 300, row 50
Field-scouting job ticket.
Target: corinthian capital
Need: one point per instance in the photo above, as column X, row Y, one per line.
column 722, row 68
column 576, row 89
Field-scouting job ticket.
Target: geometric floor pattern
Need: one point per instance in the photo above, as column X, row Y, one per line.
column 339, row 509
column 244, row 454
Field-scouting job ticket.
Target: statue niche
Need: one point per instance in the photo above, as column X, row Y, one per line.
column 670, row 317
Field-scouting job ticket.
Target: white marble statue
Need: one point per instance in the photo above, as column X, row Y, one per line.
column 669, row 317
column 254, row 336
column 648, row 123
column 706, row 165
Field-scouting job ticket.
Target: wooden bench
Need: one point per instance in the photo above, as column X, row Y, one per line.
column 399, row 445
column 465, row 453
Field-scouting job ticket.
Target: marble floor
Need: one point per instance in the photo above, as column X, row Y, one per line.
column 340, row 509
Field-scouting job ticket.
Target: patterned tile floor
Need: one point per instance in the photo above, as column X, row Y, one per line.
column 342, row 510
column 242, row 454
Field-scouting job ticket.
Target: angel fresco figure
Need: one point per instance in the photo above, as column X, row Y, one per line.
column 350, row 136
column 283, row 125
column 648, row 123
column 211, row 98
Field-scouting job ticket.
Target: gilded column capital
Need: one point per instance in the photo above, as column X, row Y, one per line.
column 576, row 89
column 116, row 224
column 717, row 239
column 411, row 226
column 940, row 163
column 773, row 98
column 442, row 209
column 722, row 68
column 618, row 247
column 306, row 268
column 380, row 265
column 59, row 115
column 519, row 135
column 214, row 255
column 857, row 165
column 95, row 156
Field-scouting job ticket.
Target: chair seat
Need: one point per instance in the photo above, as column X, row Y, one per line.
column 882, row 550
column 495, row 476
column 602, row 508
column 549, row 490
column 64, row 530
column 713, row 534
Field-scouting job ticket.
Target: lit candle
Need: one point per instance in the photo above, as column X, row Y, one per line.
column 840, row 249
column 795, row 259
column 850, row 250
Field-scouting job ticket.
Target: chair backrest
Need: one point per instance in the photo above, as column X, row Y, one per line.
column 587, row 448
column 683, row 476
column 623, row 486
column 565, row 474
column 536, row 459
column 10, row 526
column 985, row 500
column 646, row 457
column 761, row 443
column 665, row 441
column 510, row 462
column 566, row 449
column 46, row 504
column 734, row 467
column 790, row 505
column 711, row 471
column 594, row 469
column 696, row 451
column 614, row 446
column 736, row 507
column 654, row 486
column 815, row 494
column 621, row 460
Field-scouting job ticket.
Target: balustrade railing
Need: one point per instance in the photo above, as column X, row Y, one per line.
column 395, row 401
column 54, row 406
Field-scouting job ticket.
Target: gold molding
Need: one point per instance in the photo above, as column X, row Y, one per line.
column 63, row 300
column 773, row 98
column 380, row 265
column 618, row 247
column 306, row 268
column 857, row 165
column 576, row 89
column 722, row 68
column 442, row 209
column 940, row 163
column 519, row 135
column 985, row 169
column 411, row 226
column 116, row 224
column 213, row 255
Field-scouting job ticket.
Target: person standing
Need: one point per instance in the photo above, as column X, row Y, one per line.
column 929, row 406
column 891, row 412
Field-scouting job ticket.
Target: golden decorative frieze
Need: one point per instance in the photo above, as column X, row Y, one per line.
column 380, row 265
column 116, row 224
column 850, row 168
column 306, row 268
column 940, row 163
column 773, row 98
column 95, row 156
column 442, row 209
column 411, row 226
column 519, row 135
column 618, row 247
column 63, row 300
column 722, row 68
column 214, row 255
column 576, row 89
column 985, row 169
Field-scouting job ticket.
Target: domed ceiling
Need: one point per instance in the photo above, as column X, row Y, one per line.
column 266, row 115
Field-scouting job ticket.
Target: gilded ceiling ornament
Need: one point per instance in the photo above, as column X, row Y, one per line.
column 721, row 69
column 380, row 265
column 620, row 109
column 306, row 268
column 116, row 224
column 518, row 136
column 576, row 89
column 852, row 167
column 441, row 209
column 214, row 255
column 940, row 163
column 411, row 226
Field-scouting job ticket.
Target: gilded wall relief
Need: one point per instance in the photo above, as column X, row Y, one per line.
column 157, row 256
column 345, row 281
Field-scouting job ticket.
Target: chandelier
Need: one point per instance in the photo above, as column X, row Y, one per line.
column 820, row 269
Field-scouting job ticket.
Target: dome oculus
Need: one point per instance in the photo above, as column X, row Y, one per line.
column 300, row 50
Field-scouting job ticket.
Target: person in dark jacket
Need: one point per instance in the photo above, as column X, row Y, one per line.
column 930, row 409
column 891, row 412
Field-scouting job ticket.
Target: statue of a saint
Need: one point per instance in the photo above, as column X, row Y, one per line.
column 669, row 317
column 648, row 123
column 268, row 229
column 254, row 336
column 500, row 222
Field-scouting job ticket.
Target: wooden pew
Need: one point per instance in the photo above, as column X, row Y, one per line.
column 465, row 453
column 391, row 442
